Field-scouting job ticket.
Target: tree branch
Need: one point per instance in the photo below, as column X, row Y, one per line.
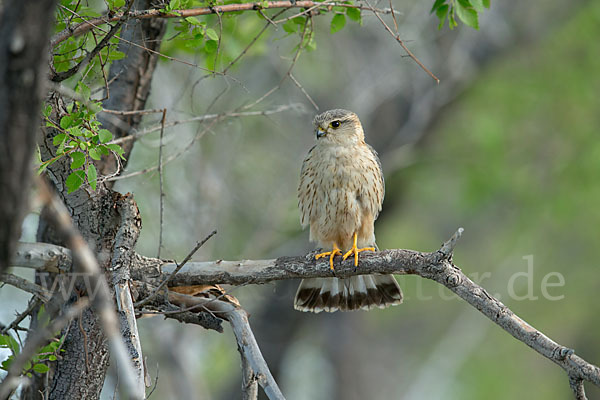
column 25, row 285
column 247, row 345
column 43, row 256
column 92, row 23
column 436, row 265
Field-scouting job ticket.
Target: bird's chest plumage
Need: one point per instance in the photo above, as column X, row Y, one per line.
column 332, row 182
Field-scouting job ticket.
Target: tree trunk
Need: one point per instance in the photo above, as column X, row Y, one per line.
column 24, row 32
column 82, row 370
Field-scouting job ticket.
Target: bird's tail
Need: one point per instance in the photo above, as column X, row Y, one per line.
column 362, row 292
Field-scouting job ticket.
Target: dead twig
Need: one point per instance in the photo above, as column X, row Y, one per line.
column 401, row 42
column 160, row 182
column 177, row 269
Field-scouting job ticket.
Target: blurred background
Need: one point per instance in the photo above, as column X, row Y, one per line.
column 505, row 146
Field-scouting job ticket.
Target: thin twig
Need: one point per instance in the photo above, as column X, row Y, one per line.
column 61, row 76
column 27, row 286
column 304, row 92
column 253, row 41
column 33, row 303
column 134, row 112
column 172, row 157
column 37, row 339
column 177, row 269
column 287, row 74
column 208, row 117
column 399, row 40
column 394, row 18
column 160, row 182
column 95, row 24
column 90, row 24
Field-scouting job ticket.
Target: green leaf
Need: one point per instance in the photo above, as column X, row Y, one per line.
column 193, row 21
column 290, row 26
column 94, row 153
column 211, row 46
column 52, row 357
column 66, row 121
column 46, row 164
column 441, row 13
column 47, row 110
column 477, row 5
column 104, row 135
column 116, row 55
column 83, row 90
column 486, row 3
column 41, row 368
column 58, row 139
column 6, row 363
column 337, row 22
column 116, row 4
column 354, row 14
column 78, row 158
column 74, row 180
column 451, row 19
column 467, row 15
column 10, row 343
column 92, row 176
column 117, row 149
column 212, row 34
column 95, row 107
column 436, row 5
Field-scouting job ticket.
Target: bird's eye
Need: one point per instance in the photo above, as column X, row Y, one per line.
column 335, row 124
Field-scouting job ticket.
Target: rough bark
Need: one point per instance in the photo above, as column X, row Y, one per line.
column 98, row 217
column 24, row 32
column 131, row 77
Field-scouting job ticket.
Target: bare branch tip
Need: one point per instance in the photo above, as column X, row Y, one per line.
column 448, row 247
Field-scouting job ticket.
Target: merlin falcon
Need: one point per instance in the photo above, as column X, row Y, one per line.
column 340, row 196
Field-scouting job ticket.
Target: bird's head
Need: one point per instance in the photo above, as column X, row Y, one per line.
column 338, row 126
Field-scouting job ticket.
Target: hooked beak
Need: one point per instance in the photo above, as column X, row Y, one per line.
column 320, row 132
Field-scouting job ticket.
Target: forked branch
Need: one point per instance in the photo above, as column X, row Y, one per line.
column 437, row 265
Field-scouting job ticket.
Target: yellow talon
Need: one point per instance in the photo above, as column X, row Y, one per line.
column 355, row 250
column 331, row 254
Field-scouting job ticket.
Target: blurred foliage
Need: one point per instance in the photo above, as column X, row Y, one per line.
column 516, row 161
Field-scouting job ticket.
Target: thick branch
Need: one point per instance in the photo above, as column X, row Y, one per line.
column 43, row 257
column 247, row 345
column 435, row 265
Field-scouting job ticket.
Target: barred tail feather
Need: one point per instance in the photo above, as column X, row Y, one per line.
column 362, row 292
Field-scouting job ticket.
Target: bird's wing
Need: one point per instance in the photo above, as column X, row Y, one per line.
column 374, row 185
column 306, row 189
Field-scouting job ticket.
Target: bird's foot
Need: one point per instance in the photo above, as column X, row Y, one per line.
column 331, row 254
column 355, row 250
